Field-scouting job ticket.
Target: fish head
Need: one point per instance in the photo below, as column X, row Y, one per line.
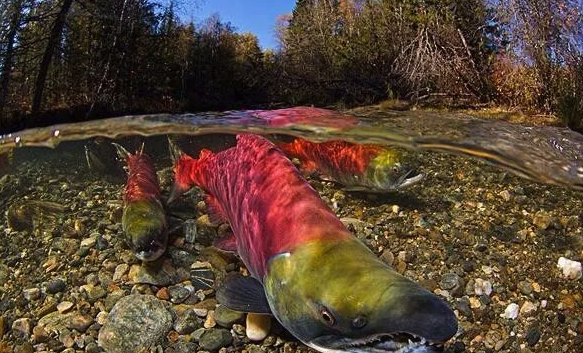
column 144, row 225
column 339, row 297
column 392, row 169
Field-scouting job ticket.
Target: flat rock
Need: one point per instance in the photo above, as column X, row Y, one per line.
column 22, row 328
column 56, row 322
column 215, row 338
column 227, row 317
column 149, row 275
column 135, row 323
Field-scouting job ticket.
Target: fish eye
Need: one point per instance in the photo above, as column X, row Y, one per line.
column 327, row 316
column 359, row 321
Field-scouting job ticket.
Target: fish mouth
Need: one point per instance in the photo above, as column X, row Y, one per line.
column 399, row 342
column 406, row 181
column 150, row 252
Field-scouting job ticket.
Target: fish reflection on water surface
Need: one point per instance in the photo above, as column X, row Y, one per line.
column 295, row 247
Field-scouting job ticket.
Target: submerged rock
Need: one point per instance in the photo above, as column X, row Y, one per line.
column 135, row 323
column 571, row 269
column 215, row 338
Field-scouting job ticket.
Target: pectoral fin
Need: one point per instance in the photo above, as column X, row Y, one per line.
column 243, row 293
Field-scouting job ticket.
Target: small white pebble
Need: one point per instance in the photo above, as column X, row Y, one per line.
column 257, row 326
column 482, row 286
column 543, row 303
column 571, row 269
column 511, row 311
column 396, row 209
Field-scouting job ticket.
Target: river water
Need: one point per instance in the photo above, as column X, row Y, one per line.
column 500, row 204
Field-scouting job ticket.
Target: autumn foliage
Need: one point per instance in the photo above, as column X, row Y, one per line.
column 80, row 59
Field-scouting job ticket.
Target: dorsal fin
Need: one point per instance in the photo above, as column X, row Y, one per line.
column 121, row 151
column 205, row 153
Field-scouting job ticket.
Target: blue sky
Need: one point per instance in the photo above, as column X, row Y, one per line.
column 255, row 16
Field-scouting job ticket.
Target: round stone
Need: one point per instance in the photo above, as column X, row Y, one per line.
column 215, row 338
column 135, row 323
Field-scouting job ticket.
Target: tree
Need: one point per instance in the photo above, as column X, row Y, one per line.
column 52, row 44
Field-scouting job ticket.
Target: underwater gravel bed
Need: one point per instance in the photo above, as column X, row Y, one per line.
column 479, row 237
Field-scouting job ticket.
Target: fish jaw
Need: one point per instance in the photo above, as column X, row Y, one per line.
column 144, row 225
column 381, row 343
column 341, row 298
column 391, row 170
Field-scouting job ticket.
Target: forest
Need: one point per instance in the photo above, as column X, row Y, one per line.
column 72, row 60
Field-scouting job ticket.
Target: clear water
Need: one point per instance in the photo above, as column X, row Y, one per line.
column 545, row 154
column 459, row 215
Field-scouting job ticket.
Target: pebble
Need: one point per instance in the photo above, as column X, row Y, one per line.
column 449, row 281
column 88, row 242
column 39, row 334
column 571, row 269
column 257, row 326
column 475, row 303
column 93, row 292
column 453, row 283
column 532, row 336
column 144, row 274
column 178, row 294
column 511, row 311
column 120, row 271
column 210, row 320
column 527, row 308
column 56, row 285
column 388, row 257
column 163, row 294
column 215, row 338
column 226, row 317
column 101, row 243
column 22, row 328
column 64, row 307
column 482, row 287
column 187, row 322
column 505, row 194
column 541, row 220
column 525, row 287
column 31, row 294
column 463, row 305
column 101, row 318
column 135, row 323
column 81, row 322
column 189, row 228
